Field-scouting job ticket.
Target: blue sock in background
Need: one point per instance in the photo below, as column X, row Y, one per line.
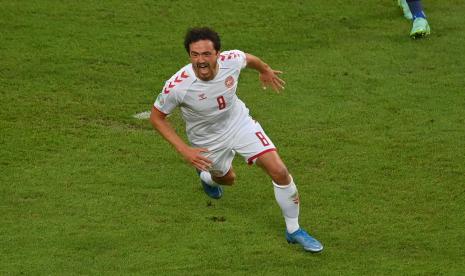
column 415, row 8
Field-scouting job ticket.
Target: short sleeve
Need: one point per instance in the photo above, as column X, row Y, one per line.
column 234, row 57
column 166, row 101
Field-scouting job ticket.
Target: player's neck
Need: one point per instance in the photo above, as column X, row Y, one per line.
column 215, row 71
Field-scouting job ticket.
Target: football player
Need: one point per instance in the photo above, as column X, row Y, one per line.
column 218, row 124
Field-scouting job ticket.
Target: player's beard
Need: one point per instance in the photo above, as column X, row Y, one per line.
column 205, row 70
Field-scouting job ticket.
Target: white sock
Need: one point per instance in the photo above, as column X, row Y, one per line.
column 207, row 178
column 288, row 199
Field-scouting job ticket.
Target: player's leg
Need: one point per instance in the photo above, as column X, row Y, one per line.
column 211, row 184
column 256, row 147
column 211, row 188
column 420, row 26
column 285, row 190
column 405, row 9
column 416, row 8
column 227, row 179
column 274, row 167
column 220, row 172
column 287, row 196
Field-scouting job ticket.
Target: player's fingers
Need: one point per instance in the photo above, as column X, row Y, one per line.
column 200, row 167
column 202, row 154
column 203, row 150
column 277, row 72
column 204, row 160
column 281, row 81
column 204, row 165
column 277, row 86
column 199, row 164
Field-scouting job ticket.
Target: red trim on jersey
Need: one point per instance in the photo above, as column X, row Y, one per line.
column 252, row 159
column 184, row 75
column 230, row 55
column 177, row 79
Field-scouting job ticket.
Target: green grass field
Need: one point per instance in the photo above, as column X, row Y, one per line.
column 371, row 125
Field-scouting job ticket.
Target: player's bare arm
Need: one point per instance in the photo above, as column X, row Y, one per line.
column 268, row 76
column 192, row 155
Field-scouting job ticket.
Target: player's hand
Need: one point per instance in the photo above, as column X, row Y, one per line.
column 270, row 78
column 194, row 157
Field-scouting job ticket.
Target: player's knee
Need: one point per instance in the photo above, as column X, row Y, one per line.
column 228, row 179
column 280, row 175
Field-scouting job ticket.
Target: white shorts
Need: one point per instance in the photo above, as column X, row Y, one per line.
column 250, row 142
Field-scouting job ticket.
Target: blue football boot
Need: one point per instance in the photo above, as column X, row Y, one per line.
column 301, row 237
column 215, row 192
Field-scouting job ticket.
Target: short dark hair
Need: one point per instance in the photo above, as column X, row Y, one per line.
column 202, row 33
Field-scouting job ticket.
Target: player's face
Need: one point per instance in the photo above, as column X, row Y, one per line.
column 204, row 59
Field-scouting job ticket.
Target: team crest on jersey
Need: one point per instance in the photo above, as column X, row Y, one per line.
column 229, row 82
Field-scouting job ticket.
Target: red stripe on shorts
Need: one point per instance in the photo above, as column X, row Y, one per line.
column 251, row 159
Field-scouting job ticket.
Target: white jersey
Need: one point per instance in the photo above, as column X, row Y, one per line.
column 211, row 109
